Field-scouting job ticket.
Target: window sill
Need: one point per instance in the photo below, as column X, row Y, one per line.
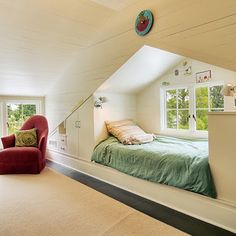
column 185, row 134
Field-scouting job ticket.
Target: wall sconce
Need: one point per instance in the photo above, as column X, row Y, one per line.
column 228, row 90
column 99, row 101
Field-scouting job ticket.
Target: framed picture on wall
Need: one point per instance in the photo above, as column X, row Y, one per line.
column 203, row 76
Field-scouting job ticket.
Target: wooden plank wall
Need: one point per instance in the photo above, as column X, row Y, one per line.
column 201, row 29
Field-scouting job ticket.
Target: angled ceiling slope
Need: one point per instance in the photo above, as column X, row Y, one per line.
column 145, row 66
column 40, row 39
column 116, row 4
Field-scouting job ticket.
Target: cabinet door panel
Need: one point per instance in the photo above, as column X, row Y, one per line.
column 72, row 132
column 86, row 130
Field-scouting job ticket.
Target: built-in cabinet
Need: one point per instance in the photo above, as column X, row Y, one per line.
column 72, row 134
column 62, row 142
column 75, row 136
column 86, row 131
column 222, row 153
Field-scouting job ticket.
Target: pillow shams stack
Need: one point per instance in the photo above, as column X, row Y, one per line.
column 127, row 132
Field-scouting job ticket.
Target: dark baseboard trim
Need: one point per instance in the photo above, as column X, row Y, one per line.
column 165, row 214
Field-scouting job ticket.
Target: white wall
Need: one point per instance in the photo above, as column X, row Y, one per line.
column 80, row 141
column 118, row 107
column 148, row 101
column 222, row 159
column 181, row 26
column 78, row 135
column 145, row 109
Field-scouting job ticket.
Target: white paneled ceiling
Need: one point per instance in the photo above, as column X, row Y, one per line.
column 116, row 4
column 145, row 66
column 40, row 39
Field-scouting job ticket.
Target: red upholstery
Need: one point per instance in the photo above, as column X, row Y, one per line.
column 27, row 160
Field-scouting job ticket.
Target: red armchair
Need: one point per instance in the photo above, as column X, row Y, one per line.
column 25, row 160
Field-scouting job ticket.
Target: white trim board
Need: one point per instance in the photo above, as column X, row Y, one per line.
column 209, row 210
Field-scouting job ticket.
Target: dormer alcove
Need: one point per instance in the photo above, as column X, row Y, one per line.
column 139, row 90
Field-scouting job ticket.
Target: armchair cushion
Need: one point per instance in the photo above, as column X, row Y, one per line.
column 26, row 138
column 8, row 141
column 27, row 160
column 17, row 160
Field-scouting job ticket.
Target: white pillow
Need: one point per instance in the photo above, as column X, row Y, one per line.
column 127, row 132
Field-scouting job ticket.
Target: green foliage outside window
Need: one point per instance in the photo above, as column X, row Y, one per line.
column 216, row 99
column 17, row 114
column 183, row 106
column 202, row 119
column 183, row 98
column 177, row 100
column 183, row 119
column 171, row 119
column 201, row 108
column 204, row 99
column 178, row 104
column 171, row 102
column 201, row 97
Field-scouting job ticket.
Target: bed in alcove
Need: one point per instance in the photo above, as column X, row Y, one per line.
column 172, row 161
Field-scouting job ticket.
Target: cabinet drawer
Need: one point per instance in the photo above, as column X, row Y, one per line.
column 62, row 148
column 62, row 139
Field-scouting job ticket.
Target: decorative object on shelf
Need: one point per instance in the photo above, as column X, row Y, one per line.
column 165, row 83
column 99, row 101
column 185, row 63
column 203, row 76
column 176, row 72
column 228, row 90
column 144, row 22
column 187, row 68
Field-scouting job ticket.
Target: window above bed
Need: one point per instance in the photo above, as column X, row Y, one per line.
column 186, row 108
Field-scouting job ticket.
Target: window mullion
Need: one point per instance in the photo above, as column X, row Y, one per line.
column 195, row 92
column 165, row 110
column 209, row 99
column 192, row 105
column 177, row 109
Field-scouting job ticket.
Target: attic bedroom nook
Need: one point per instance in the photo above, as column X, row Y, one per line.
column 172, row 96
column 117, row 117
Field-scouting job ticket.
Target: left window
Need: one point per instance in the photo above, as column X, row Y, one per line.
column 177, row 108
column 13, row 113
column 18, row 113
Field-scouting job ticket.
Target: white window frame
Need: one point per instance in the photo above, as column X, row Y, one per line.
column 4, row 103
column 191, row 132
column 165, row 108
column 1, row 118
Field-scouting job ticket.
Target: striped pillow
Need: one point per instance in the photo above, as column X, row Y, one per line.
column 127, row 132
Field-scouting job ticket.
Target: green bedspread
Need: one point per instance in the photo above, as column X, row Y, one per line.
column 167, row 160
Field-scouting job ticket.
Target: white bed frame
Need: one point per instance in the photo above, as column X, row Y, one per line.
column 214, row 211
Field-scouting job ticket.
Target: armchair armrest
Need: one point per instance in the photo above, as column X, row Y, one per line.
column 41, row 143
column 8, row 141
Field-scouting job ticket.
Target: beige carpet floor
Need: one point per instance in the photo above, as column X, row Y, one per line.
column 53, row 204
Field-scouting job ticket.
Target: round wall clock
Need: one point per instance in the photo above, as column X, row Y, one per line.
column 143, row 23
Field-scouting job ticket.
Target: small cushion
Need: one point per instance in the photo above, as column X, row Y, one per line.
column 127, row 132
column 26, row 138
